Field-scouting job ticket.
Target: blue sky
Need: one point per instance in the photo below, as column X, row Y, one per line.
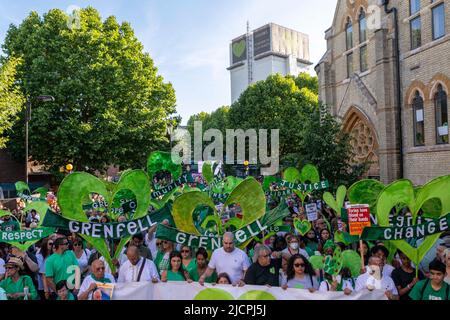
column 189, row 39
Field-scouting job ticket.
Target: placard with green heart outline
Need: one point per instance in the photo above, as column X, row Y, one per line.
column 402, row 192
column 338, row 203
column 76, row 186
column 309, row 173
column 302, row 226
column 248, row 194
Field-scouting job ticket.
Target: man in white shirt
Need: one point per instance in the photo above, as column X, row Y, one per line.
column 228, row 259
column 369, row 280
column 137, row 269
column 382, row 252
column 98, row 276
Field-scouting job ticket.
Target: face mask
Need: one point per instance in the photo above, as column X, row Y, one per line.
column 294, row 245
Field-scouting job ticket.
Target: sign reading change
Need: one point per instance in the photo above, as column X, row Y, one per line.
column 410, row 232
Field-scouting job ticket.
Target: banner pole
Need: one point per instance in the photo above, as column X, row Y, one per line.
column 361, row 252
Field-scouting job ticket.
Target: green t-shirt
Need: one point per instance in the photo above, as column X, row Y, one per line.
column 191, row 266
column 195, row 276
column 56, row 266
column 174, row 276
column 10, row 225
column 429, row 293
column 16, row 287
column 161, row 263
column 70, row 296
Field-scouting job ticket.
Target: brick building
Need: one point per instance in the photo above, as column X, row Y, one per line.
column 400, row 126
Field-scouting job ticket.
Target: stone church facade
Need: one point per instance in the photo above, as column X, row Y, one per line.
column 395, row 106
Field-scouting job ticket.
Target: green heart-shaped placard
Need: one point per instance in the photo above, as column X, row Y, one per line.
column 77, row 186
column 248, row 194
column 402, row 192
column 309, row 173
column 302, row 226
column 338, row 203
column 239, row 48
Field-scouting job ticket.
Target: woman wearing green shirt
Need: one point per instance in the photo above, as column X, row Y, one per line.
column 175, row 272
column 200, row 267
column 15, row 284
column 162, row 257
column 188, row 262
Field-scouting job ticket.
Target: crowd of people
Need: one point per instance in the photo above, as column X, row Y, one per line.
column 45, row 270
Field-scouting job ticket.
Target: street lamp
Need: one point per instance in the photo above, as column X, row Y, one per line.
column 27, row 120
column 169, row 132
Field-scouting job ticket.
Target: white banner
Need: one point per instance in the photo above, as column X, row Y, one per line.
column 194, row 291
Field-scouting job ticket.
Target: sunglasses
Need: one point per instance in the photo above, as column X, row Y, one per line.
column 50, row 243
column 99, row 269
column 10, row 267
column 65, row 244
column 77, row 244
column 298, row 265
column 158, row 243
column 185, row 251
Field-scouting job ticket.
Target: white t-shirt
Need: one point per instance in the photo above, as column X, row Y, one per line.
column 41, row 264
column 325, row 287
column 83, row 260
column 87, row 282
column 150, row 242
column 2, row 266
column 129, row 273
column 300, row 251
column 234, row 263
column 387, row 284
column 387, row 270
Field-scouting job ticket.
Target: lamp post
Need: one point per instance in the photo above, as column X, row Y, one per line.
column 169, row 132
column 27, row 120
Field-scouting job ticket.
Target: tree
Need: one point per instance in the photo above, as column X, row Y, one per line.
column 111, row 106
column 275, row 103
column 11, row 99
column 327, row 146
column 305, row 80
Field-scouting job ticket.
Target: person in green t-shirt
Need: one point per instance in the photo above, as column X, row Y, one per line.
column 162, row 257
column 63, row 291
column 176, row 271
column 59, row 266
column 201, row 266
column 9, row 224
column 433, row 288
column 189, row 263
column 15, row 284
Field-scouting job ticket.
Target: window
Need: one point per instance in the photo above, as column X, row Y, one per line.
column 440, row 101
column 349, row 34
column 438, row 21
column 419, row 128
column 363, row 58
column 414, row 6
column 416, row 33
column 362, row 27
column 349, row 65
